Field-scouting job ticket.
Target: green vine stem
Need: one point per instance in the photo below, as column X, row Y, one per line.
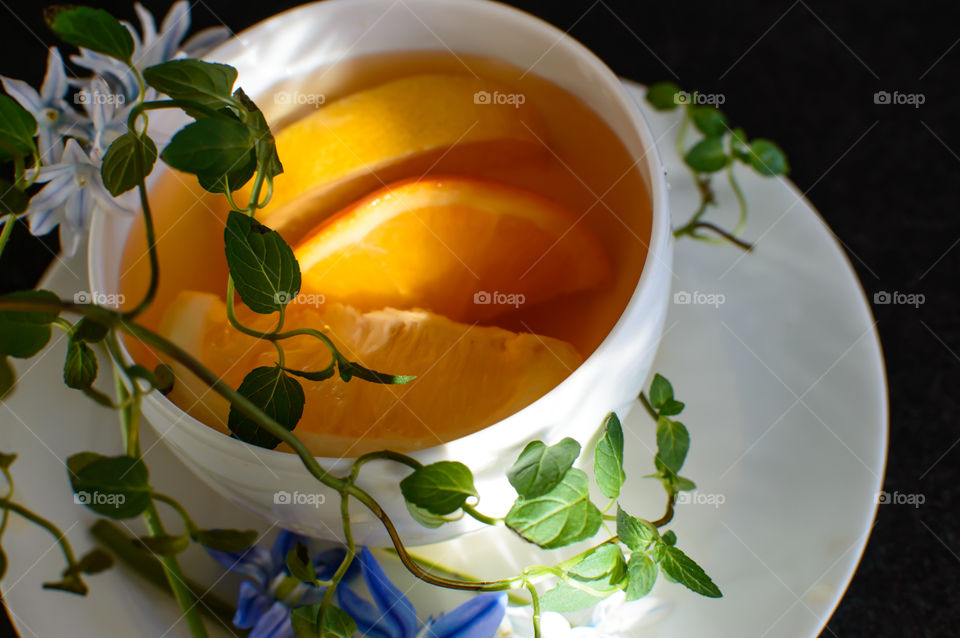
column 54, row 531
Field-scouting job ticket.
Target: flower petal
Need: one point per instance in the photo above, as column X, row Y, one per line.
column 479, row 617
column 251, row 604
column 175, row 27
column 52, row 196
column 55, row 81
column 285, row 541
column 23, row 93
column 254, row 562
column 370, row 621
column 274, row 623
column 388, row 597
column 202, row 42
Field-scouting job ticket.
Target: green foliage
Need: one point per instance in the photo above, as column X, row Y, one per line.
column 277, row 394
column 115, row 487
column 608, row 458
column 225, row 540
column 263, row 266
column 560, row 517
column 540, row 468
column 80, row 367
column 663, row 96
column 204, row 83
column 17, row 129
column 94, row 29
column 24, row 334
column 439, row 488
column 127, row 162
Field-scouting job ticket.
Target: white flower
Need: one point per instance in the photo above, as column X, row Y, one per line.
column 55, row 118
column 74, row 191
column 612, row 618
column 152, row 47
column 107, row 113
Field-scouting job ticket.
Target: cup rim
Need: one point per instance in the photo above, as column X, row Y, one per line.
column 657, row 248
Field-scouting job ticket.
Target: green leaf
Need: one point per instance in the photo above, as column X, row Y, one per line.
column 210, row 148
column 234, row 179
column 566, row 598
column 6, row 460
column 707, row 155
column 122, row 169
column 163, row 544
column 709, row 121
column 603, row 566
column 299, row 564
column 89, row 331
column 25, row 333
column 739, row 147
column 685, row 571
column 164, row 376
column 641, row 575
column 562, row 516
column 17, row 129
column 660, row 391
column 350, row 369
column 669, row 537
column 13, row 201
column 608, row 458
column 304, row 621
column 684, row 484
column 767, row 158
column 539, row 468
column 116, row 487
column 94, row 29
column 336, row 623
column 635, row 533
column 80, row 367
column 226, row 540
column 95, row 561
column 440, row 488
column 663, row 96
column 72, row 584
column 315, row 375
column 673, row 443
column 206, row 83
column 425, row 517
column 266, row 147
column 279, row 395
column 264, row 269
column 8, row 378
column 3, row 564
column 671, row 407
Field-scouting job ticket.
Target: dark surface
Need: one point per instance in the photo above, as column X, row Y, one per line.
column 883, row 176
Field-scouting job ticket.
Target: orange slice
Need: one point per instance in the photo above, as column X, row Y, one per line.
column 466, row 248
column 408, row 126
column 468, row 377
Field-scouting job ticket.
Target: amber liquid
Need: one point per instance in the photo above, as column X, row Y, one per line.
column 585, row 168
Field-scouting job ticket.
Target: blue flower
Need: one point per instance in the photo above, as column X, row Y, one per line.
column 152, row 47
column 55, row 118
column 74, row 191
column 394, row 616
column 270, row 592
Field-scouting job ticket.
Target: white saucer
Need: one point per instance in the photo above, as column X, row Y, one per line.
column 787, row 409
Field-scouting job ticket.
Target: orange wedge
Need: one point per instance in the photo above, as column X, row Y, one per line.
column 408, row 126
column 466, row 248
column 468, row 377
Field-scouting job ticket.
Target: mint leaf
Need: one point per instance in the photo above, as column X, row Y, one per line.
column 767, row 158
column 685, row 571
column 89, row 331
column 94, row 29
column 336, row 623
column 673, row 443
column 277, row 394
column 163, row 544
column 608, row 458
column 210, row 148
column 424, row 516
column 671, row 407
column 709, row 121
column 266, row 147
column 539, row 468
column 669, row 537
column 440, row 488
column 641, row 575
column 635, row 533
column 739, row 147
column 707, row 155
column 560, row 517
column 663, row 96
column 80, row 367
column 299, row 564
column 116, row 487
column 121, row 169
column 226, row 540
column 350, row 369
column 8, row 378
column 605, row 563
column 206, row 83
column 13, row 201
column 264, row 268
column 566, row 598
column 94, row 562
column 25, row 333
column 17, row 129
column 660, row 391
column 684, row 484
column 315, row 375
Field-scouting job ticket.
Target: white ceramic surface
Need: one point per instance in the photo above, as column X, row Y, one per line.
column 275, row 56
column 799, row 478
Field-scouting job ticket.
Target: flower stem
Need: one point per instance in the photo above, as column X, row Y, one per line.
column 7, row 231
column 54, row 531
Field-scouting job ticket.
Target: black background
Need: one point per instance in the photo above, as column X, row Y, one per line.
column 803, row 73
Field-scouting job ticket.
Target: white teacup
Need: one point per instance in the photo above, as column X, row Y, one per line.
column 288, row 47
